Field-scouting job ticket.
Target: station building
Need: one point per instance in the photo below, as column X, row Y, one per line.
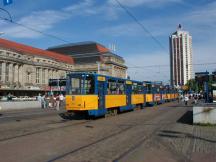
column 26, row 70
column 93, row 57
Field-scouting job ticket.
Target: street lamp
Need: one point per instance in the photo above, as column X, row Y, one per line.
column 98, row 66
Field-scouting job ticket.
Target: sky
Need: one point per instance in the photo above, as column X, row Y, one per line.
column 105, row 22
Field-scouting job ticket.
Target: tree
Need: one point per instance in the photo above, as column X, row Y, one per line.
column 193, row 85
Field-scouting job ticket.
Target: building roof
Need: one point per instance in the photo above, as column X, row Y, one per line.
column 81, row 47
column 35, row 51
column 82, row 52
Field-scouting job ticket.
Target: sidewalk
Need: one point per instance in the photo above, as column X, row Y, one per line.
column 18, row 105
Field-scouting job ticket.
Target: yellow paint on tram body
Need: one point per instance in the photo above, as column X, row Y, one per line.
column 81, row 102
column 115, row 101
column 149, row 97
column 137, row 98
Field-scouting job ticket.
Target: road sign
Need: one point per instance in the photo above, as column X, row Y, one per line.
column 7, row 2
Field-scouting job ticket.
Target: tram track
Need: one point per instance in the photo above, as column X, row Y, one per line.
column 46, row 130
column 145, row 139
column 118, row 133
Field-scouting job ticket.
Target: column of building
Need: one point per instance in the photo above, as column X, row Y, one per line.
column 3, row 71
column 21, row 75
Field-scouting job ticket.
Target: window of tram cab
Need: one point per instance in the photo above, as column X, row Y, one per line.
column 84, row 85
column 75, row 86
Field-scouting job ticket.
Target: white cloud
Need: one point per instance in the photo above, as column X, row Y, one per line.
column 45, row 20
column 86, row 7
column 41, row 21
column 147, row 3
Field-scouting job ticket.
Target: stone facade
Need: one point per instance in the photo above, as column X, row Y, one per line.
column 27, row 69
column 111, row 65
column 23, row 72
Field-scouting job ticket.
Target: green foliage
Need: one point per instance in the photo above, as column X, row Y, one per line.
column 194, row 86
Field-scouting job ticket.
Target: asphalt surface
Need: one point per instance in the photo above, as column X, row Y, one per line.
column 161, row 133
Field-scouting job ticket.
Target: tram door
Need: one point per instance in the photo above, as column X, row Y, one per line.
column 101, row 94
column 128, row 93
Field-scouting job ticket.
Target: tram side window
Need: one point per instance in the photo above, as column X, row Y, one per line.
column 89, row 85
column 115, row 87
column 121, row 87
column 137, row 88
column 111, row 87
column 149, row 88
column 134, row 88
column 140, row 88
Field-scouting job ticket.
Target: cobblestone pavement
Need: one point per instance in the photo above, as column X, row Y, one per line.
column 161, row 133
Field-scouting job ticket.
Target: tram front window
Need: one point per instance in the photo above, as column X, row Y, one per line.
column 84, row 85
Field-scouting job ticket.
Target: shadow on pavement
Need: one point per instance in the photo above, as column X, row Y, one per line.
column 176, row 134
column 181, row 105
column 187, row 118
column 67, row 116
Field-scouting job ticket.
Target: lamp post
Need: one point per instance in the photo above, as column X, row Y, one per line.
column 98, row 66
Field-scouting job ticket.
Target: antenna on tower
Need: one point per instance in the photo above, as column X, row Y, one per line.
column 179, row 27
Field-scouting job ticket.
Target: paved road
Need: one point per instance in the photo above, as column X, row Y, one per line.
column 162, row 133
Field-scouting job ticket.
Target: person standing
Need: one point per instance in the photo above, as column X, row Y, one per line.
column 46, row 100
column 61, row 99
column 43, row 103
column 39, row 98
column 51, row 101
column 57, row 102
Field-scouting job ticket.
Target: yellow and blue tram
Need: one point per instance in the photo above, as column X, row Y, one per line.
column 97, row 95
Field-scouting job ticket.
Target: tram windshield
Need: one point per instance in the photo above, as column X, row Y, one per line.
column 81, row 85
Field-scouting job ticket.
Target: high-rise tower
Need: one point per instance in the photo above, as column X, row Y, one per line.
column 180, row 57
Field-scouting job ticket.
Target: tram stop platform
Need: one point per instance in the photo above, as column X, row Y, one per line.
column 204, row 114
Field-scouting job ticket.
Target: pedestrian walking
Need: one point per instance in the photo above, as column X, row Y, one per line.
column 186, row 99
column 195, row 99
column 51, row 101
